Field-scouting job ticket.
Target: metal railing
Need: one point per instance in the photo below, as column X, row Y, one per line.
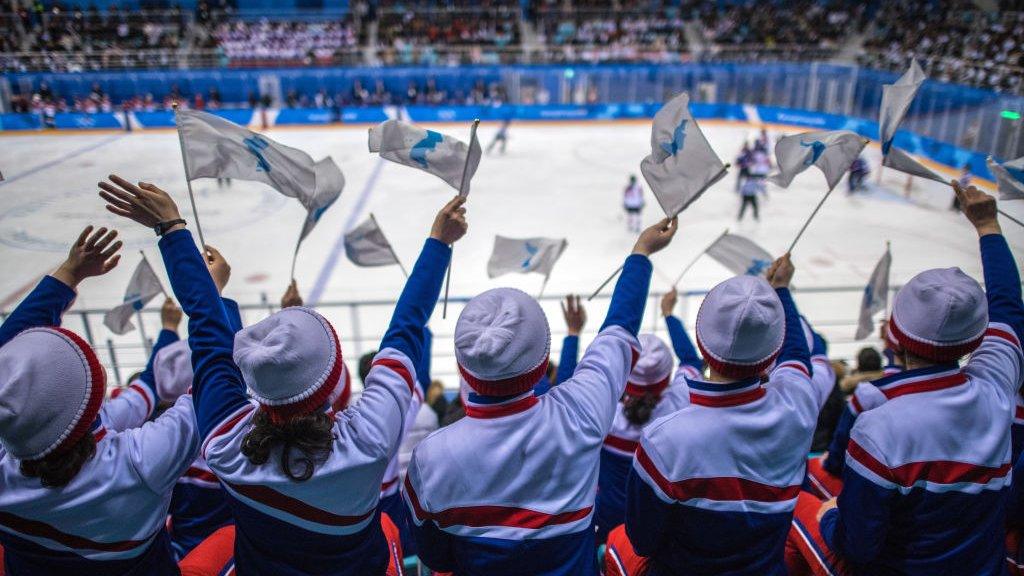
column 361, row 325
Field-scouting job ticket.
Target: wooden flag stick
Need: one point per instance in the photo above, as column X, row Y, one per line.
column 390, row 248
column 188, row 181
column 809, row 218
column 696, row 258
column 605, row 283
column 146, row 260
column 462, row 192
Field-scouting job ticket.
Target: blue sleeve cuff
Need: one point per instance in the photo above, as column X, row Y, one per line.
column 1002, row 283
column 44, row 306
column 630, row 296
column 58, row 289
column 794, row 344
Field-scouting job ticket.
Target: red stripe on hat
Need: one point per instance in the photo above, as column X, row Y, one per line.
column 737, row 371
column 282, row 413
column 929, row 351
column 499, row 410
column 726, row 400
column 341, row 402
column 141, row 392
column 397, row 367
column 896, row 389
column 935, row 471
column 98, row 386
column 621, row 443
column 37, row 529
column 657, row 388
column 506, row 386
column 721, row 488
column 295, row 507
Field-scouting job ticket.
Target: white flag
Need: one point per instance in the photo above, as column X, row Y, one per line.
column 1009, row 178
column 682, row 164
column 740, row 255
column 876, row 296
column 833, row 152
column 143, row 287
column 524, row 255
column 899, row 160
column 216, row 148
column 329, row 184
column 896, row 99
column 433, row 152
column 366, row 245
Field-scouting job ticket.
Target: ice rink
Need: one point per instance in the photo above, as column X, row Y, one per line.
column 556, row 180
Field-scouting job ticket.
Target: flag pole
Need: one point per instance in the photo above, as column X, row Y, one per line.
column 543, row 285
column 1008, row 217
column 809, row 218
column 462, row 192
column 146, row 260
column 188, row 181
column 605, row 283
column 694, row 261
column 390, row 248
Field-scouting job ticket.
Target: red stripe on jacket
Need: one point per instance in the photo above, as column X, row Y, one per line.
column 722, row 488
column 935, row 471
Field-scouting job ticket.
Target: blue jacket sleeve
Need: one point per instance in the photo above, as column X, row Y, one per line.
column 856, row 528
column 630, row 296
column 417, row 301
column 162, row 340
column 42, row 307
column 234, row 314
column 681, row 343
column 217, row 386
column 423, row 368
column 646, row 515
column 1002, row 283
column 568, row 359
column 794, row 345
column 835, row 462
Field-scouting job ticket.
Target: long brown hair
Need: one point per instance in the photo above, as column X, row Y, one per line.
column 638, row 409
column 56, row 470
column 310, row 434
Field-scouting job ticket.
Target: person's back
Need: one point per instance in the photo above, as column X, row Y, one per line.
column 714, row 485
column 509, row 489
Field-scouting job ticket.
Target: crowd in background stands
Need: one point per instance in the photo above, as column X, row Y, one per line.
column 959, row 44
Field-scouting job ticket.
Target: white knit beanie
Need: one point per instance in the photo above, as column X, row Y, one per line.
column 51, row 390
column 291, row 362
column 502, row 341
column 740, row 327
column 940, row 315
column 172, row 370
column 653, row 368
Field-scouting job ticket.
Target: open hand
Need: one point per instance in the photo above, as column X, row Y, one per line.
column 93, row 254
column 575, row 315
column 291, row 296
column 450, row 223
column 143, row 203
column 780, row 273
column 656, row 237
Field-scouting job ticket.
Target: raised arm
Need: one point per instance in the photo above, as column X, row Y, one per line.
column 93, row 254
column 423, row 368
column 217, row 389
column 794, row 344
column 575, row 319
column 681, row 343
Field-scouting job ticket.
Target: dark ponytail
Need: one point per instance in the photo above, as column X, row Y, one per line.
column 56, row 470
column 311, row 434
column 638, row 409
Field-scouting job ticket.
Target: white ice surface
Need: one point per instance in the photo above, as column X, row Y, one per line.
column 557, row 180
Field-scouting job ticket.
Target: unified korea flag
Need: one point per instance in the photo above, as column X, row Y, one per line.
column 439, row 154
column 896, row 100
column 366, row 245
column 143, row 287
column 740, row 255
column 1009, row 178
column 329, row 184
column 876, row 296
column 216, row 148
column 524, row 255
column 681, row 165
column 832, row 152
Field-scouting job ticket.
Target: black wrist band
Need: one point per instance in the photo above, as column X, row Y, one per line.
column 162, row 227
